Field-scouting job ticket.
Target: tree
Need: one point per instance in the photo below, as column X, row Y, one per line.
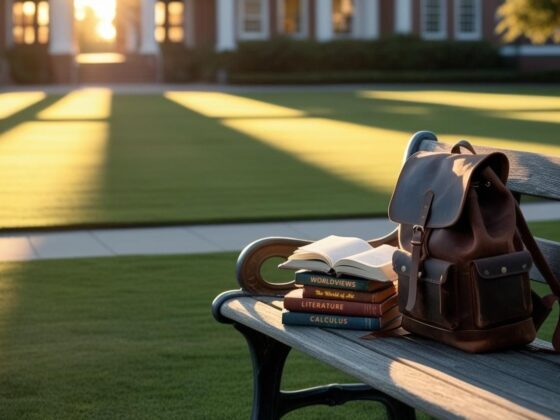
column 538, row 20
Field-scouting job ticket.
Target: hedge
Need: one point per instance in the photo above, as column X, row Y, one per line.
column 284, row 56
column 29, row 64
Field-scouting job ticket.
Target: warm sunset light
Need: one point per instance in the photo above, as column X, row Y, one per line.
column 66, row 156
column 104, row 12
column 472, row 100
column 223, row 105
column 83, row 104
column 14, row 102
column 366, row 155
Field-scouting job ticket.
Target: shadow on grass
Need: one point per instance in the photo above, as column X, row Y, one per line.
column 167, row 163
column 129, row 338
column 410, row 116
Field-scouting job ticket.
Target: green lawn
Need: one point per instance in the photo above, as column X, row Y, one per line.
column 134, row 338
column 293, row 154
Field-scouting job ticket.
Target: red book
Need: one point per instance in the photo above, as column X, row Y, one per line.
column 295, row 302
column 311, row 292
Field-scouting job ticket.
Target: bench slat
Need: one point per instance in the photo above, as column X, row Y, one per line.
column 530, row 173
column 438, row 393
column 510, row 374
column 526, row 378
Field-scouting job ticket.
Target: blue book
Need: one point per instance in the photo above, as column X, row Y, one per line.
column 313, row 278
column 341, row 321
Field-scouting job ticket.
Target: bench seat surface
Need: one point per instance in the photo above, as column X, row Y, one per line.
column 432, row 377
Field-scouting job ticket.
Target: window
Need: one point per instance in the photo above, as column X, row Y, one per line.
column 169, row 19
column 468, row 19
column 292, row 17
column 30, row 22
column 252, row 19
column 433, row 19
column 343, row 17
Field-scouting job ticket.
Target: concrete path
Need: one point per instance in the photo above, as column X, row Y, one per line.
column 197, row 239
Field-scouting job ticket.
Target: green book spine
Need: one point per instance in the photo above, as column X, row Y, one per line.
column 309, row 278
column 330, row 321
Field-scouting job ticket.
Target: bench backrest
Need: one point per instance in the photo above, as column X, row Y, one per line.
column 530, row 174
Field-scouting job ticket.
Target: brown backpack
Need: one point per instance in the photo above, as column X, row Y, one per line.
column 465, row 253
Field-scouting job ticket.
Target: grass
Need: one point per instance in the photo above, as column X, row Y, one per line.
column 293, row 154
column 134, row 338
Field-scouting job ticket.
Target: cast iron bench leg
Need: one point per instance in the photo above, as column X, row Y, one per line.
column 269, row 402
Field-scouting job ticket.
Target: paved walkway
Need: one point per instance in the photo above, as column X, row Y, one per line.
column 197, row 239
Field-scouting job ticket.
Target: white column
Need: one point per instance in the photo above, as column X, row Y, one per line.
column 369, row 19
column 225, row 25
column 148, row 44
column 8, row 24
column 403, row 16
column 323, row 20
column 189, row 23
column 61, row 25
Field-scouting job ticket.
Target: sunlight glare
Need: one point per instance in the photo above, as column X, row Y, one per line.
column 82, row 104
column 13, row 102
column 472, row 100
column 104, row 11
column 223, row 105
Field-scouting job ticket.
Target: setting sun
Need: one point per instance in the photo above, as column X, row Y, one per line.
column 104, row 13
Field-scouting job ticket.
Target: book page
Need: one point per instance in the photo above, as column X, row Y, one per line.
column 377, row 262
column 311, row 265
column 331, row 249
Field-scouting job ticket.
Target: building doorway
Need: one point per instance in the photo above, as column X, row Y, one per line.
column 96, row 31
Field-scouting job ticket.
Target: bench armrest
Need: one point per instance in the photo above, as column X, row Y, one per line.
column 253, row 256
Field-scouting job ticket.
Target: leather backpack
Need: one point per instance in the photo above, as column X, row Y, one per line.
column 465, row 253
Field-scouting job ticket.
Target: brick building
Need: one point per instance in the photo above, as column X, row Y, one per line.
column 129, row 31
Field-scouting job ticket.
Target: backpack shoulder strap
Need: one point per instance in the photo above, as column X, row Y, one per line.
column 544, row 306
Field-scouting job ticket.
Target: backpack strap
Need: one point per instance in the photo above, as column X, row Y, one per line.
column 541, row 306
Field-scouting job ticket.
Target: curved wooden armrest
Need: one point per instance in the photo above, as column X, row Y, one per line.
column 252, row 258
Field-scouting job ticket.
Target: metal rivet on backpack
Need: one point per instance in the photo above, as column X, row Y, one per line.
column 486, row 272
column 403, row 268
column 487, row 184
column 504, row 270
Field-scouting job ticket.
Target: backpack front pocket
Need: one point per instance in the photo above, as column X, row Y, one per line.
column 501, row 288
column 436, row 296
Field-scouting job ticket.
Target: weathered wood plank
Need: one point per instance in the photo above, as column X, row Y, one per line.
column 512, row 374
column 422, row 386
column 530, row 173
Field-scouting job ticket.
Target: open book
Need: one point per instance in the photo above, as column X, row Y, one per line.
column 344, row 255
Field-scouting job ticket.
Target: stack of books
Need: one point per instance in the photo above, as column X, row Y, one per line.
column 345, row 283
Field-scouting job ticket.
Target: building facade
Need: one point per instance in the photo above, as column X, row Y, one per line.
column 127, row 33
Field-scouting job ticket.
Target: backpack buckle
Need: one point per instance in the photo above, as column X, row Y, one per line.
column 417, row 235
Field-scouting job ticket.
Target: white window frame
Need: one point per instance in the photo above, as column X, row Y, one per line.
column 304, row 10
column 265, row 17
column 442, row 33
column 468, row 36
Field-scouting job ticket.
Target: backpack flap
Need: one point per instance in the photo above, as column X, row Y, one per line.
column 448, row 176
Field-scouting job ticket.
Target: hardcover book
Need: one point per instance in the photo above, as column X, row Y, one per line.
column 344, row 255
column 294, row 301
column 390, row 318
column 349, row 295
column 313, row 278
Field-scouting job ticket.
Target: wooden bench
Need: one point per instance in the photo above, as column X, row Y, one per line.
column 403, row 373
